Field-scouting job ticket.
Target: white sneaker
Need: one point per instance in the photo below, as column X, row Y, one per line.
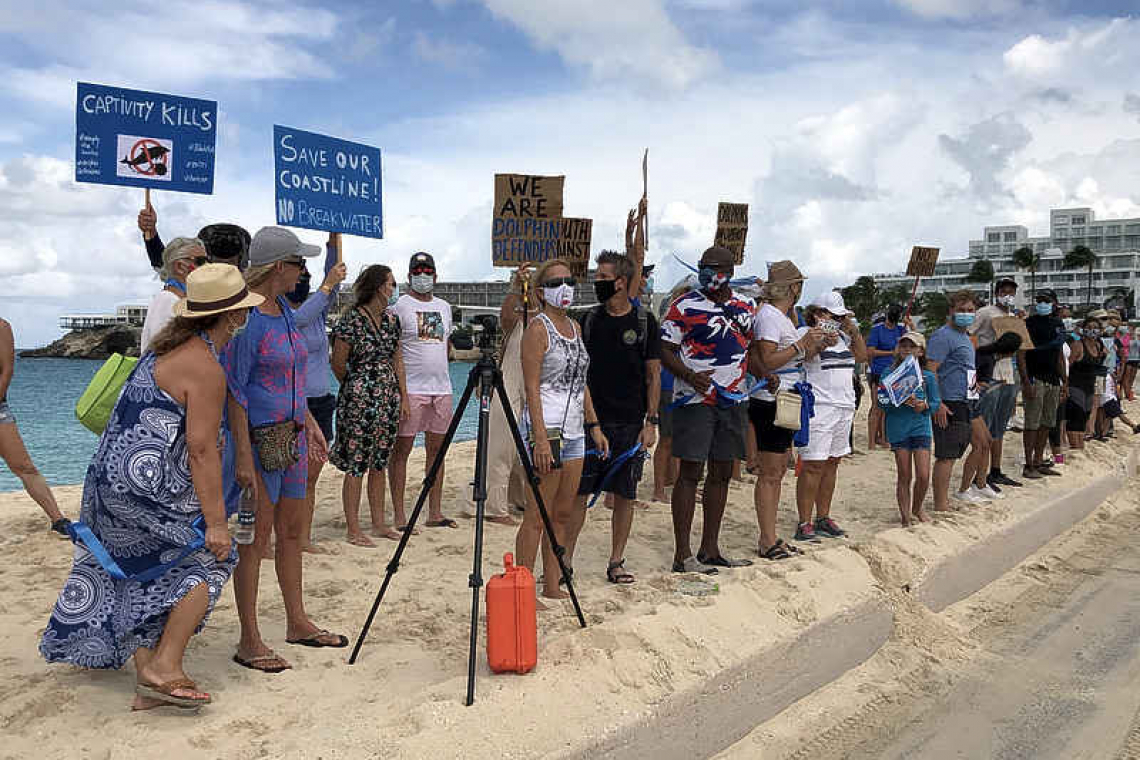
column 987, row 493
column 967, row 497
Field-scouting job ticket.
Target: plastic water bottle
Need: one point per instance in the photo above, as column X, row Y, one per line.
column 246, row 518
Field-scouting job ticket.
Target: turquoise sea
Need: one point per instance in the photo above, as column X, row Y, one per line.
column 43, row 396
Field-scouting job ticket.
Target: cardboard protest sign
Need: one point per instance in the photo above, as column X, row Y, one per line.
column 904, row 381
column 324, row 183
column 922, row 261
column 574, row 244
column 526, row 219
column 732, row 228
column 1002, row 325
column 144, row 139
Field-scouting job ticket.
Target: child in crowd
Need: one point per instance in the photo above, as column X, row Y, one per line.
column 910, row 432
column 1110, row 410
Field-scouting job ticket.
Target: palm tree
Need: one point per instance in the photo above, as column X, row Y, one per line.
column 1025, row 258
column 982, row 272
column 1082, row 257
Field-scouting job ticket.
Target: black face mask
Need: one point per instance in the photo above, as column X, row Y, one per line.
column 894, row 315
column 301, row 291
column 605, row 289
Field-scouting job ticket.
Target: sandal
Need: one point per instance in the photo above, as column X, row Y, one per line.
column 616, row 573
column 315, row 641
column 724, row 562
column 443, row 522
column 165, row 693
column 779, row 550
column 259, row 663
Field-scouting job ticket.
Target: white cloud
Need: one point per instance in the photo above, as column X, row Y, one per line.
column 1085, row 55
column 612, row 40
column 456, row 56
column 960, row 9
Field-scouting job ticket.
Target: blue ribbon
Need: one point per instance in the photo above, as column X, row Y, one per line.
column 81, row 534
column 615, row 465
column 724, row 398
column 739, row 282
column 172, row 283
column 807, row 411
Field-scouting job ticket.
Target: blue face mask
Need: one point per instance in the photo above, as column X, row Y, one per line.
column 711, row 280
column 395, row 293
column 1043, row 308
column 963, row 319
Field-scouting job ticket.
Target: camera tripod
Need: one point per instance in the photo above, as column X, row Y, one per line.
column 489, row 379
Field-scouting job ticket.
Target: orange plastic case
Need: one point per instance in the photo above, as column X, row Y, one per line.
column 512, row 620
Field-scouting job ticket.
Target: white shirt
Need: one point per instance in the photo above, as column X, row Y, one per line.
column 424, row 330
column 773, row 325
column 832, row 374
column 158, row 315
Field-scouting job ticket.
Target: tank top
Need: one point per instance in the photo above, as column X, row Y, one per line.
column 562, row 382
column 1084, row 372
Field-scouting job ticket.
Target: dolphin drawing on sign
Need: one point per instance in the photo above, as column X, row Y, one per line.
column 149, row 160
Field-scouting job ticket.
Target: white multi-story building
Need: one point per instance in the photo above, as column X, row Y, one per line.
column 1116, row 242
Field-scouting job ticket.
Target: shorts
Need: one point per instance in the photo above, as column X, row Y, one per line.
column 6, row 415
column 430, row 414
column 829, row 436
column 997, row 407
column 622, row 437
column 912, row 443
column 952, row 441
column 569, row 448
column 703, row 432
column 322, row 408
column 1133, row 362
column 665, row 429
column 1112, row 409
column 774, row 440
column 1041, row 411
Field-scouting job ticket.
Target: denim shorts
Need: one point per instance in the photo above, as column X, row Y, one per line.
column 912, row 443
column 6, row 415
column 573, row 448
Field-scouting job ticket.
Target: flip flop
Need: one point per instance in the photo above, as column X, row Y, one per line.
column 445, row 522
column 165, row 693
column 252, row 663
column 616, row 573
column 315, row 641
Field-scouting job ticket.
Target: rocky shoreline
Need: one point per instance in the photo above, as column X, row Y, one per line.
column 94, row 343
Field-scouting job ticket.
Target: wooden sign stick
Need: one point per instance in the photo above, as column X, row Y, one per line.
column 147, row 204
column 910, row 303
column 645, row 196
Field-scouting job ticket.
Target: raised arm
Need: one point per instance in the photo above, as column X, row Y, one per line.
column 148, row 221
column 635, row 246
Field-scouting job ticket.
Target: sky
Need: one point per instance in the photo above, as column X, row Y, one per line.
column 853, row 128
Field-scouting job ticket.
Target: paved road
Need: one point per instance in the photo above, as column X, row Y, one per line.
column 1062, row 682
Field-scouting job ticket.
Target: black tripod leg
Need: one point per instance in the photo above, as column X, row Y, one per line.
column 486, row 394
column 532, row 479
column 429, row 481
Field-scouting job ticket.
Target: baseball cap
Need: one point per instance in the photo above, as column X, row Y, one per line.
column 832, row 301
column 226, row 241
column 273, row 244
column 421, row 259
column 1047, row 293
column 1005, row 281
column 915, row 337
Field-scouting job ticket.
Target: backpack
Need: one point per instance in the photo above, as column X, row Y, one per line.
column 642, row 326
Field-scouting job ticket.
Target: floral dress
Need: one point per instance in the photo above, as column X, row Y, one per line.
column 368, row 407
column 139, row 501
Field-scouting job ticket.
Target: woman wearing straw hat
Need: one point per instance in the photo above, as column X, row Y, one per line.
column 153, row 549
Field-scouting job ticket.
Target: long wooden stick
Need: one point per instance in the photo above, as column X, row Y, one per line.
column 645, row 196
column 912, row 293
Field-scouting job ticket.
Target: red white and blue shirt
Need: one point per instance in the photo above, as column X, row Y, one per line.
column 712, row 336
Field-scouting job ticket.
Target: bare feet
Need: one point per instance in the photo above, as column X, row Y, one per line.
column 359, row 539
column 389, row 533
column 314, row 549
column 502, row 520
column 401, row 527
column 660, row 496
column 555, row 593
column 920, row 515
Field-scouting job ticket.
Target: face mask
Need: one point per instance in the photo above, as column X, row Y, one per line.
column 649, row 285
column 1007, row 301
column 423, row 283
column 605, row 289
column 894, row 315
column 561, row 297
column 1043, row 309
column 1070, row 324
column 1092, row 332
column 712, row 280
column 395, row 293
column 963, row 319
column 301, row 290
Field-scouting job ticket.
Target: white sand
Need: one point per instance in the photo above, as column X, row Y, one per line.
column 404, row 698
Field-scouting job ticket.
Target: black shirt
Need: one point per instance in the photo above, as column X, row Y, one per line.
column 617, row 365
column 1042, row 363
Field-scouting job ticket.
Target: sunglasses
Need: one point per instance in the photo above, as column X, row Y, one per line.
column 423, row 270
column 559, row 281
column 296, row 262
column 200, row 260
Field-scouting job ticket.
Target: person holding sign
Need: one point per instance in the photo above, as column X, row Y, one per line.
column 950, row 354
column 909, row 429
column 274, row 435
column 881, row 344
column 425, row 330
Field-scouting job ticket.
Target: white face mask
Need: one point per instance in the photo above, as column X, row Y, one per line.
column 423, row 283
column 561, row 297
column 1007, row 301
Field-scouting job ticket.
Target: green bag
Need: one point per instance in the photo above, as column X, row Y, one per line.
column 97, row 402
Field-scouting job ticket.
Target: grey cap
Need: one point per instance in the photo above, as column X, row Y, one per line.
column 272, row 244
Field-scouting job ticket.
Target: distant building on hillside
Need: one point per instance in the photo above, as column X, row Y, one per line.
column 126, row 314
column 1116, row 242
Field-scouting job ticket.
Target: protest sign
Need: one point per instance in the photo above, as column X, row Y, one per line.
column 904, row 381
column 526, row 219
column 922, row 261
column 144, row 139
column 574, row 244
column 732, row 228
column 1002, row 325
column 324, row 183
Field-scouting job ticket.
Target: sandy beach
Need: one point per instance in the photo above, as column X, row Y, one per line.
column 644, row 644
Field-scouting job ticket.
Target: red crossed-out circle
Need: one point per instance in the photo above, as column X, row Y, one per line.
column 143, row 147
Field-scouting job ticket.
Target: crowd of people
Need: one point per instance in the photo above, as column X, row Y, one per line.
column 231, row 407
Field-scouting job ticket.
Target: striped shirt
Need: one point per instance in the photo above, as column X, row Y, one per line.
column 832, row 375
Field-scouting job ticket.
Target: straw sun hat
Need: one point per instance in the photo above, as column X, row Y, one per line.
column 215, row 288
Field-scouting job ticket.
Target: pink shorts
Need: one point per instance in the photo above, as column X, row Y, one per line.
column 430, row 414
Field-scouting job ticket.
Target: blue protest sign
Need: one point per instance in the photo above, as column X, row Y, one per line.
column 323, row 183
column 144, row 139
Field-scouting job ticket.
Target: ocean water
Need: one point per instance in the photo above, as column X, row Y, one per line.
column 43, row 395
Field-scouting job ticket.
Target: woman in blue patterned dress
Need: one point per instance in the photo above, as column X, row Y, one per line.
column 152, row 576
